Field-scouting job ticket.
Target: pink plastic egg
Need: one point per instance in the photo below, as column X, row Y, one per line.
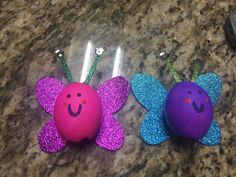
column 78, row 112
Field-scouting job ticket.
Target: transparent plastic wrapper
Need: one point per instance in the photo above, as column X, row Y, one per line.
column 80, row 59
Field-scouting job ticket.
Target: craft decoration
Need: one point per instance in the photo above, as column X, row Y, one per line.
column 186, row 110
column 79, row 112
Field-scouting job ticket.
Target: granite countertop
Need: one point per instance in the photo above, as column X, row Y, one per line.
column 30, row 30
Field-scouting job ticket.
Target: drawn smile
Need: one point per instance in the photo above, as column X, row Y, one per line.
column 198, row 109
column 74, row 114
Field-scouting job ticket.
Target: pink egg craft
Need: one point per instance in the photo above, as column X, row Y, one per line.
column 80, row 112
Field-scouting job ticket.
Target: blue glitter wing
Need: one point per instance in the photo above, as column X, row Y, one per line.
column 151, row 94
column 213, row 135
column 148, row 91
column 154, row 129
column 212, row 84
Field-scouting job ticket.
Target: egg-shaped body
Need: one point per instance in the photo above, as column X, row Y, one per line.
column 77, row 112
column 188, row 110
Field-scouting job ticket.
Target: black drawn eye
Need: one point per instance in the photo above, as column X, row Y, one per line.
column 68, row 96
column 79, row 94
column 199, row 92
column 189, row 92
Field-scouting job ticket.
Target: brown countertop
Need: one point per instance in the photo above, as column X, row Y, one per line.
column 30, row 30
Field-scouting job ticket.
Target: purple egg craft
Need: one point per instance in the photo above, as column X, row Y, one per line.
column 186, row 110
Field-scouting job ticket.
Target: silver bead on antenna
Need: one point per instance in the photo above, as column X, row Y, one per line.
column 59, row 53
column 99, row 51
column 163, row 55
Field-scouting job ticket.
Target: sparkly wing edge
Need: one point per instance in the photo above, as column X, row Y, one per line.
column 111, row 135
column 46, row 92
column 213, row 136
column 113, row 94
column 49, row 139
column 148, row 91
column 212, row 84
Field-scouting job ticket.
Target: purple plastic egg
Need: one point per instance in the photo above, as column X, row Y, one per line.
column 188, row 110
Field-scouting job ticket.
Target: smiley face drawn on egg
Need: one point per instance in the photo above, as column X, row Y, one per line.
column 77, row 112
column 201, row 96
column 188, row 110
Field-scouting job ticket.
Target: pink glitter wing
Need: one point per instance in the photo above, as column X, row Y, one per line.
column 49, row 139
column 46, row 91
column 113, row 95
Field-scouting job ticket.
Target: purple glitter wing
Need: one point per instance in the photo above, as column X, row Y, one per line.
column 46, row 91
column 113, row 95
column 49, row 139
column 111, row 135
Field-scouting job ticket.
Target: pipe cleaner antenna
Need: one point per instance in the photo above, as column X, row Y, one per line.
column 196, row 70
column 99, row 52
column 167, row 58
column 60, row 55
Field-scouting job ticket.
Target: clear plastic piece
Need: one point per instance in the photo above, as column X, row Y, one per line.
column 80, row 60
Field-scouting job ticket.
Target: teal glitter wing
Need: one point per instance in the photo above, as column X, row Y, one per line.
column 213, row 135
column 151, row 94
column 212, row 84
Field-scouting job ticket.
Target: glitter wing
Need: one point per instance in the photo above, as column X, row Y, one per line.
column 154, row 129
column 49, row 139
column 148, row 91
column 46, row 91
column 111, row 135
column 213, row 135
column 113, row 95
column 212, row 84
column 151, row 94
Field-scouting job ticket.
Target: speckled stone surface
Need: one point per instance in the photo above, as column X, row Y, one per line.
column 30, row 30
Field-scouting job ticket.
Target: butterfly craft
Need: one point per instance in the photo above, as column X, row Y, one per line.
column 78, row 111
column 186, row 110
